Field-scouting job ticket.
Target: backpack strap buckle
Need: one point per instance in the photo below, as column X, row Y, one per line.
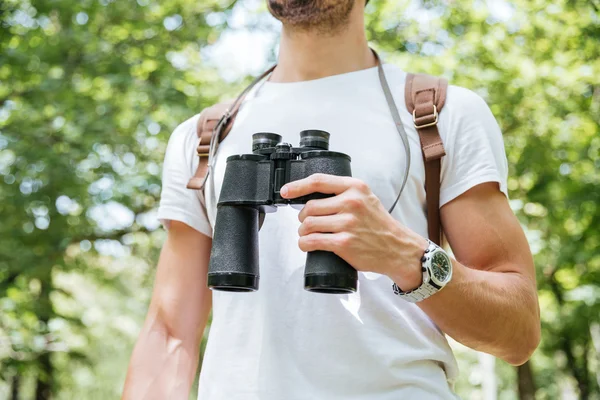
column 425, row 120
column 203, row 150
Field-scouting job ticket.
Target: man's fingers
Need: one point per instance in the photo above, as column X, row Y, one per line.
column 327, row 206
column 316, row 183
column 333, row 242
column 326, row 224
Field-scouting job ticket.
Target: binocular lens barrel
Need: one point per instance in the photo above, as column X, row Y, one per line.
column 234, row 257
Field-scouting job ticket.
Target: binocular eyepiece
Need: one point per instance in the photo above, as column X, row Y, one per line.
column 309, row 139
column 251, row 189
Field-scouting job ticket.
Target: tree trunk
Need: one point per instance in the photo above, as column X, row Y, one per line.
column 43, row 390
column 15, row 387
column 526, row 382
column 579, row 370
column 45, row 311
column 595, row 336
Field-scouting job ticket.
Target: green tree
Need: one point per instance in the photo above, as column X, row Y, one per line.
column 89, row 93
column 537, row 64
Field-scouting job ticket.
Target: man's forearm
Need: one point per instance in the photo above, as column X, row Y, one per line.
column 165, row 358
column 162, row 366
column 493, row 312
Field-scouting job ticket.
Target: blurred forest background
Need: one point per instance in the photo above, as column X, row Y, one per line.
column 90, row 91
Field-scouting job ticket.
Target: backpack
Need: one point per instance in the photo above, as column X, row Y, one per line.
column 424, row 97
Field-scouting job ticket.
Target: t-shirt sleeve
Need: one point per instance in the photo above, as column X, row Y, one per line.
column 474, row 145
column 177, row 203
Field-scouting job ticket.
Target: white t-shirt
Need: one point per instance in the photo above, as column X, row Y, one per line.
column 283, row 342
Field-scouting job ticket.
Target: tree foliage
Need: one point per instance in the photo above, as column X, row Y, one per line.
column 90, row 91
column 537, row 64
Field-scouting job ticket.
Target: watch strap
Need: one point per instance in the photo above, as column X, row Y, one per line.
column 421, row 293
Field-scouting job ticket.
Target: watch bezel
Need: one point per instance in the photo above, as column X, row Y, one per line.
column 429, row 266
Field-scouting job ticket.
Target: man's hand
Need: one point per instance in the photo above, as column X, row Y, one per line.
column 489, row 305
column 355, row 226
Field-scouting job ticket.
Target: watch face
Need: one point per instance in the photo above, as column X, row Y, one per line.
column 440, row 266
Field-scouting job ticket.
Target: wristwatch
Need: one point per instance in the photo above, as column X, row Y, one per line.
column 437, row 272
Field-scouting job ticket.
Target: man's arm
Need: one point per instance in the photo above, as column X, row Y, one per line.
column 491, row 303
column 164, row 360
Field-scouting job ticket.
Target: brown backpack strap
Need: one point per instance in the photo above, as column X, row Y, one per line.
column 205, row 127
column 425, row 97
column 216, row 120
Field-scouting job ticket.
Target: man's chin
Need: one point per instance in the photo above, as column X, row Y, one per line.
column 306, row 15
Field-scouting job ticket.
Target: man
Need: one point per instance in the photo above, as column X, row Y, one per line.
column 283, row 342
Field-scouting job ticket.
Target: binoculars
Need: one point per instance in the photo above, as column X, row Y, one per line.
column 250, row 190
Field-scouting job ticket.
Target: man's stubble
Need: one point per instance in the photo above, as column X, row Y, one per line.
column 322, row 16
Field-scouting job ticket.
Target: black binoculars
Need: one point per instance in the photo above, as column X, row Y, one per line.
column 250, row 190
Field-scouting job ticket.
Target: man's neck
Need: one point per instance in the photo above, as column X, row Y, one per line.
column 311, row 55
